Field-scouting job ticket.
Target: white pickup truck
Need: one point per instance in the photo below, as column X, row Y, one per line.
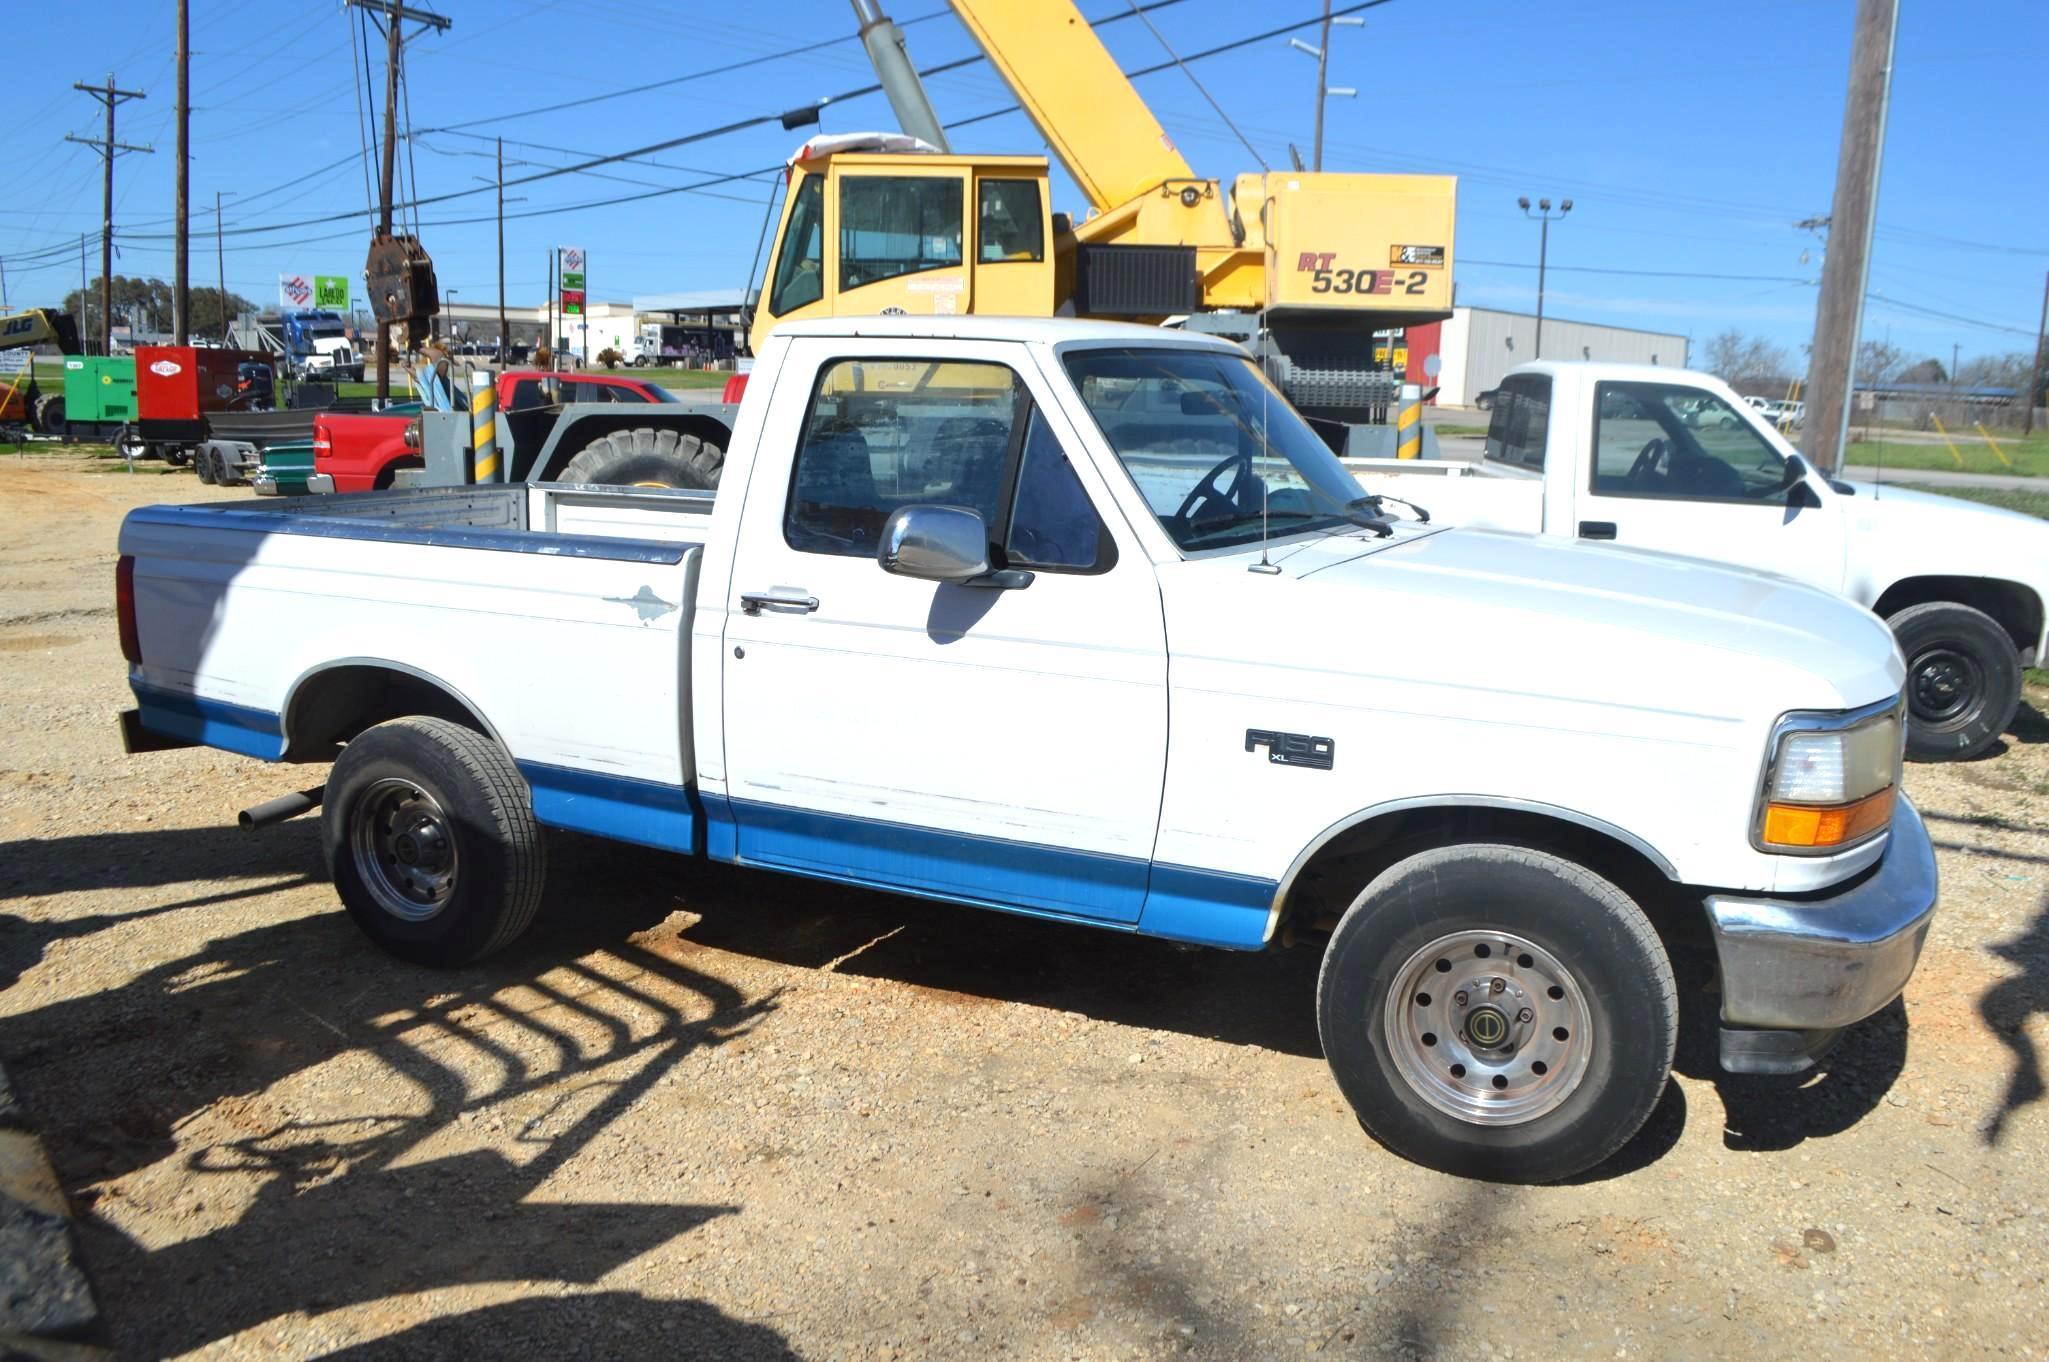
column 1079, row 620
column 1671, row 460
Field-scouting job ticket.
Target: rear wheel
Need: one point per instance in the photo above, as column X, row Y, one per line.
column 202, row 463
column 129, row 444
column 646, row 458
column 430, row 837
column 1963, row 679
column 50, row 414
column 1498, row 1012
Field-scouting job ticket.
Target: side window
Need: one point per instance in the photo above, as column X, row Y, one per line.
column 893, row 225
column 1521, row 422
column 528, row 394
column 619, row 392
column 1011, row 227
column 1660, row 440
column 800, row 270
column 1052, row 523
column 888, row 433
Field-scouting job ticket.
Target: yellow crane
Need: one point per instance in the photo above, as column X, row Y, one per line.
column 1317, row 262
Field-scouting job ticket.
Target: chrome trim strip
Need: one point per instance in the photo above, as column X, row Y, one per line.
column 1457, row 801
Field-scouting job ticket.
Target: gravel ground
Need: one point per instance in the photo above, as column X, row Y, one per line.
column 712, row 1114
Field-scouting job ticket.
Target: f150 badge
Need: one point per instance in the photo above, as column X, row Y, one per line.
column 1293, row 749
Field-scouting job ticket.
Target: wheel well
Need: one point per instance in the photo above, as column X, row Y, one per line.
column 1336, row 872
column 388, row 474
column 2016, row 608
column 335, row 704
column 572, row 442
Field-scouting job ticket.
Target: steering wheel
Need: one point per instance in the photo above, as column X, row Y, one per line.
column 1204, row 492
column 1653, row 460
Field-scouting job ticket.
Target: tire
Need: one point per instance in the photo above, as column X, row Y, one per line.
column 225, row 473
column 430, row 837
column 202, row 464
column 1963, row 679
column 50, row 414
column 129, row 444
column 646, row 458
column 1582, row 1074
column 177, row 458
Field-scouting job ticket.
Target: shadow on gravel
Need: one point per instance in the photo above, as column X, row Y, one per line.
column 330, row 1210
column 2008, row 1006
column 36, row 866
column 1769, row 1114
column 611, row 1323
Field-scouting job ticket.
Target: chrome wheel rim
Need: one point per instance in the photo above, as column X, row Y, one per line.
column 1488, row 1027
column 404, row 849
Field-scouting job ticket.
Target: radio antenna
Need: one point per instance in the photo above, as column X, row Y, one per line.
column 1264, row 340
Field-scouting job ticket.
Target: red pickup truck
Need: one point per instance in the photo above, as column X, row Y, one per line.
column 363, row 451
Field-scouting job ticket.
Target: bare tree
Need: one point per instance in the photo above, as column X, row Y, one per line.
column 1739, row 359
column 1995, row 371
column 1878, row 362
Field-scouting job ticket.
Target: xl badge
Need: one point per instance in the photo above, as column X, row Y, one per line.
column 1293, row 749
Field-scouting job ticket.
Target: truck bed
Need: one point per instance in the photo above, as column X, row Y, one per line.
column 543, row 606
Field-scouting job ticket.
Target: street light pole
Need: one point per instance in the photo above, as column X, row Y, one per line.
column 1323, row 91
column 1544, row 216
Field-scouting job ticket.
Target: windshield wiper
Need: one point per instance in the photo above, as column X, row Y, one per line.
column 1372, row 501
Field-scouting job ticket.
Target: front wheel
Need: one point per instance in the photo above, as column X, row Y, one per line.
column 430, row 837
column 129, row 444
column 1963, row 679
column 1498, row 1012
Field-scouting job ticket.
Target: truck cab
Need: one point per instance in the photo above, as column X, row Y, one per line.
column 1675, row 461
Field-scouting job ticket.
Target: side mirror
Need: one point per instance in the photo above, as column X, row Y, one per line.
column 935, row 543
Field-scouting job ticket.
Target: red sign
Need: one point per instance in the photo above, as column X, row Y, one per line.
column 572, row 302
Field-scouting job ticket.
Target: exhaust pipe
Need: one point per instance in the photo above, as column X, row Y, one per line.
column 281, row 808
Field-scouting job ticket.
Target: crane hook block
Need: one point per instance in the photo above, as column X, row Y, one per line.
column 400, row 277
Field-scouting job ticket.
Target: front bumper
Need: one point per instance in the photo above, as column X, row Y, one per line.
column 1814, row 965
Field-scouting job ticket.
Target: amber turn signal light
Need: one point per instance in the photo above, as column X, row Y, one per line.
column 1833, row 825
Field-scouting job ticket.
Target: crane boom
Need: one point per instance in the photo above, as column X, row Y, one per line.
column 1076, row 96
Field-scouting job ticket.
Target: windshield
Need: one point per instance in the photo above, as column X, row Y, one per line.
column 1186, row 425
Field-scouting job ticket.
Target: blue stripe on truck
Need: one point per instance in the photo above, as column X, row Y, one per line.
column 213, row 723
column 1180, row 903
column 647, row 813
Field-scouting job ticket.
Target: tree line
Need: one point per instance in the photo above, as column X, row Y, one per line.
column 147, row 304
column 1753, row 364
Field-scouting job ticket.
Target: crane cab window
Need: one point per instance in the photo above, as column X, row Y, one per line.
column 800, row 265
column 892, row 225
column 1011, row 225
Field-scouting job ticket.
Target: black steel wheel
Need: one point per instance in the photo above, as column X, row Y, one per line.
column 430, row 838
column 1963, row 679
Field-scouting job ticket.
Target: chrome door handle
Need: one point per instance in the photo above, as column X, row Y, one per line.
column 787, row 600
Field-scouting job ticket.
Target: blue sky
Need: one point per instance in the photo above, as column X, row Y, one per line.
column 1689, row 135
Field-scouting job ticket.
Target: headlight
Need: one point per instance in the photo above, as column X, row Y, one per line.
column 1830, row 780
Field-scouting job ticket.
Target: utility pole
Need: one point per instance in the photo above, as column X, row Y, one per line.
column 2035, row 370
column 395, row 15
column 181, row 279
column 1543, row 215
column 84, row 296
column 220, row 263
column 501, row 252
column 1953, row 348
column 1845, row 270
column 108, row 149
column 1324, row 91
column 549, row 339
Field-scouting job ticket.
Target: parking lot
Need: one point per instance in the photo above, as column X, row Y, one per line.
column 699, row 1112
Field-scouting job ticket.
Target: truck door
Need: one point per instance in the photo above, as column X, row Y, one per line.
column 1676, row 468
column 1004, row 746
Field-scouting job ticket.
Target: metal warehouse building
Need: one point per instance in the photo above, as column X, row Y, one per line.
column 1476, row 346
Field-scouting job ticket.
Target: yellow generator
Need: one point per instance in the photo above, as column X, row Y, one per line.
column 1303, row 267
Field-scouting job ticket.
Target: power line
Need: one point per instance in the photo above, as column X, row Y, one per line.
column 1645, row 274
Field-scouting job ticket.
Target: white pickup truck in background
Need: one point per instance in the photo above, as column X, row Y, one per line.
column 1081, row 621
column 1675, row 461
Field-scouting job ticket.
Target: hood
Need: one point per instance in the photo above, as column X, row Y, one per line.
column 1967, row 529
column 1604, row 631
